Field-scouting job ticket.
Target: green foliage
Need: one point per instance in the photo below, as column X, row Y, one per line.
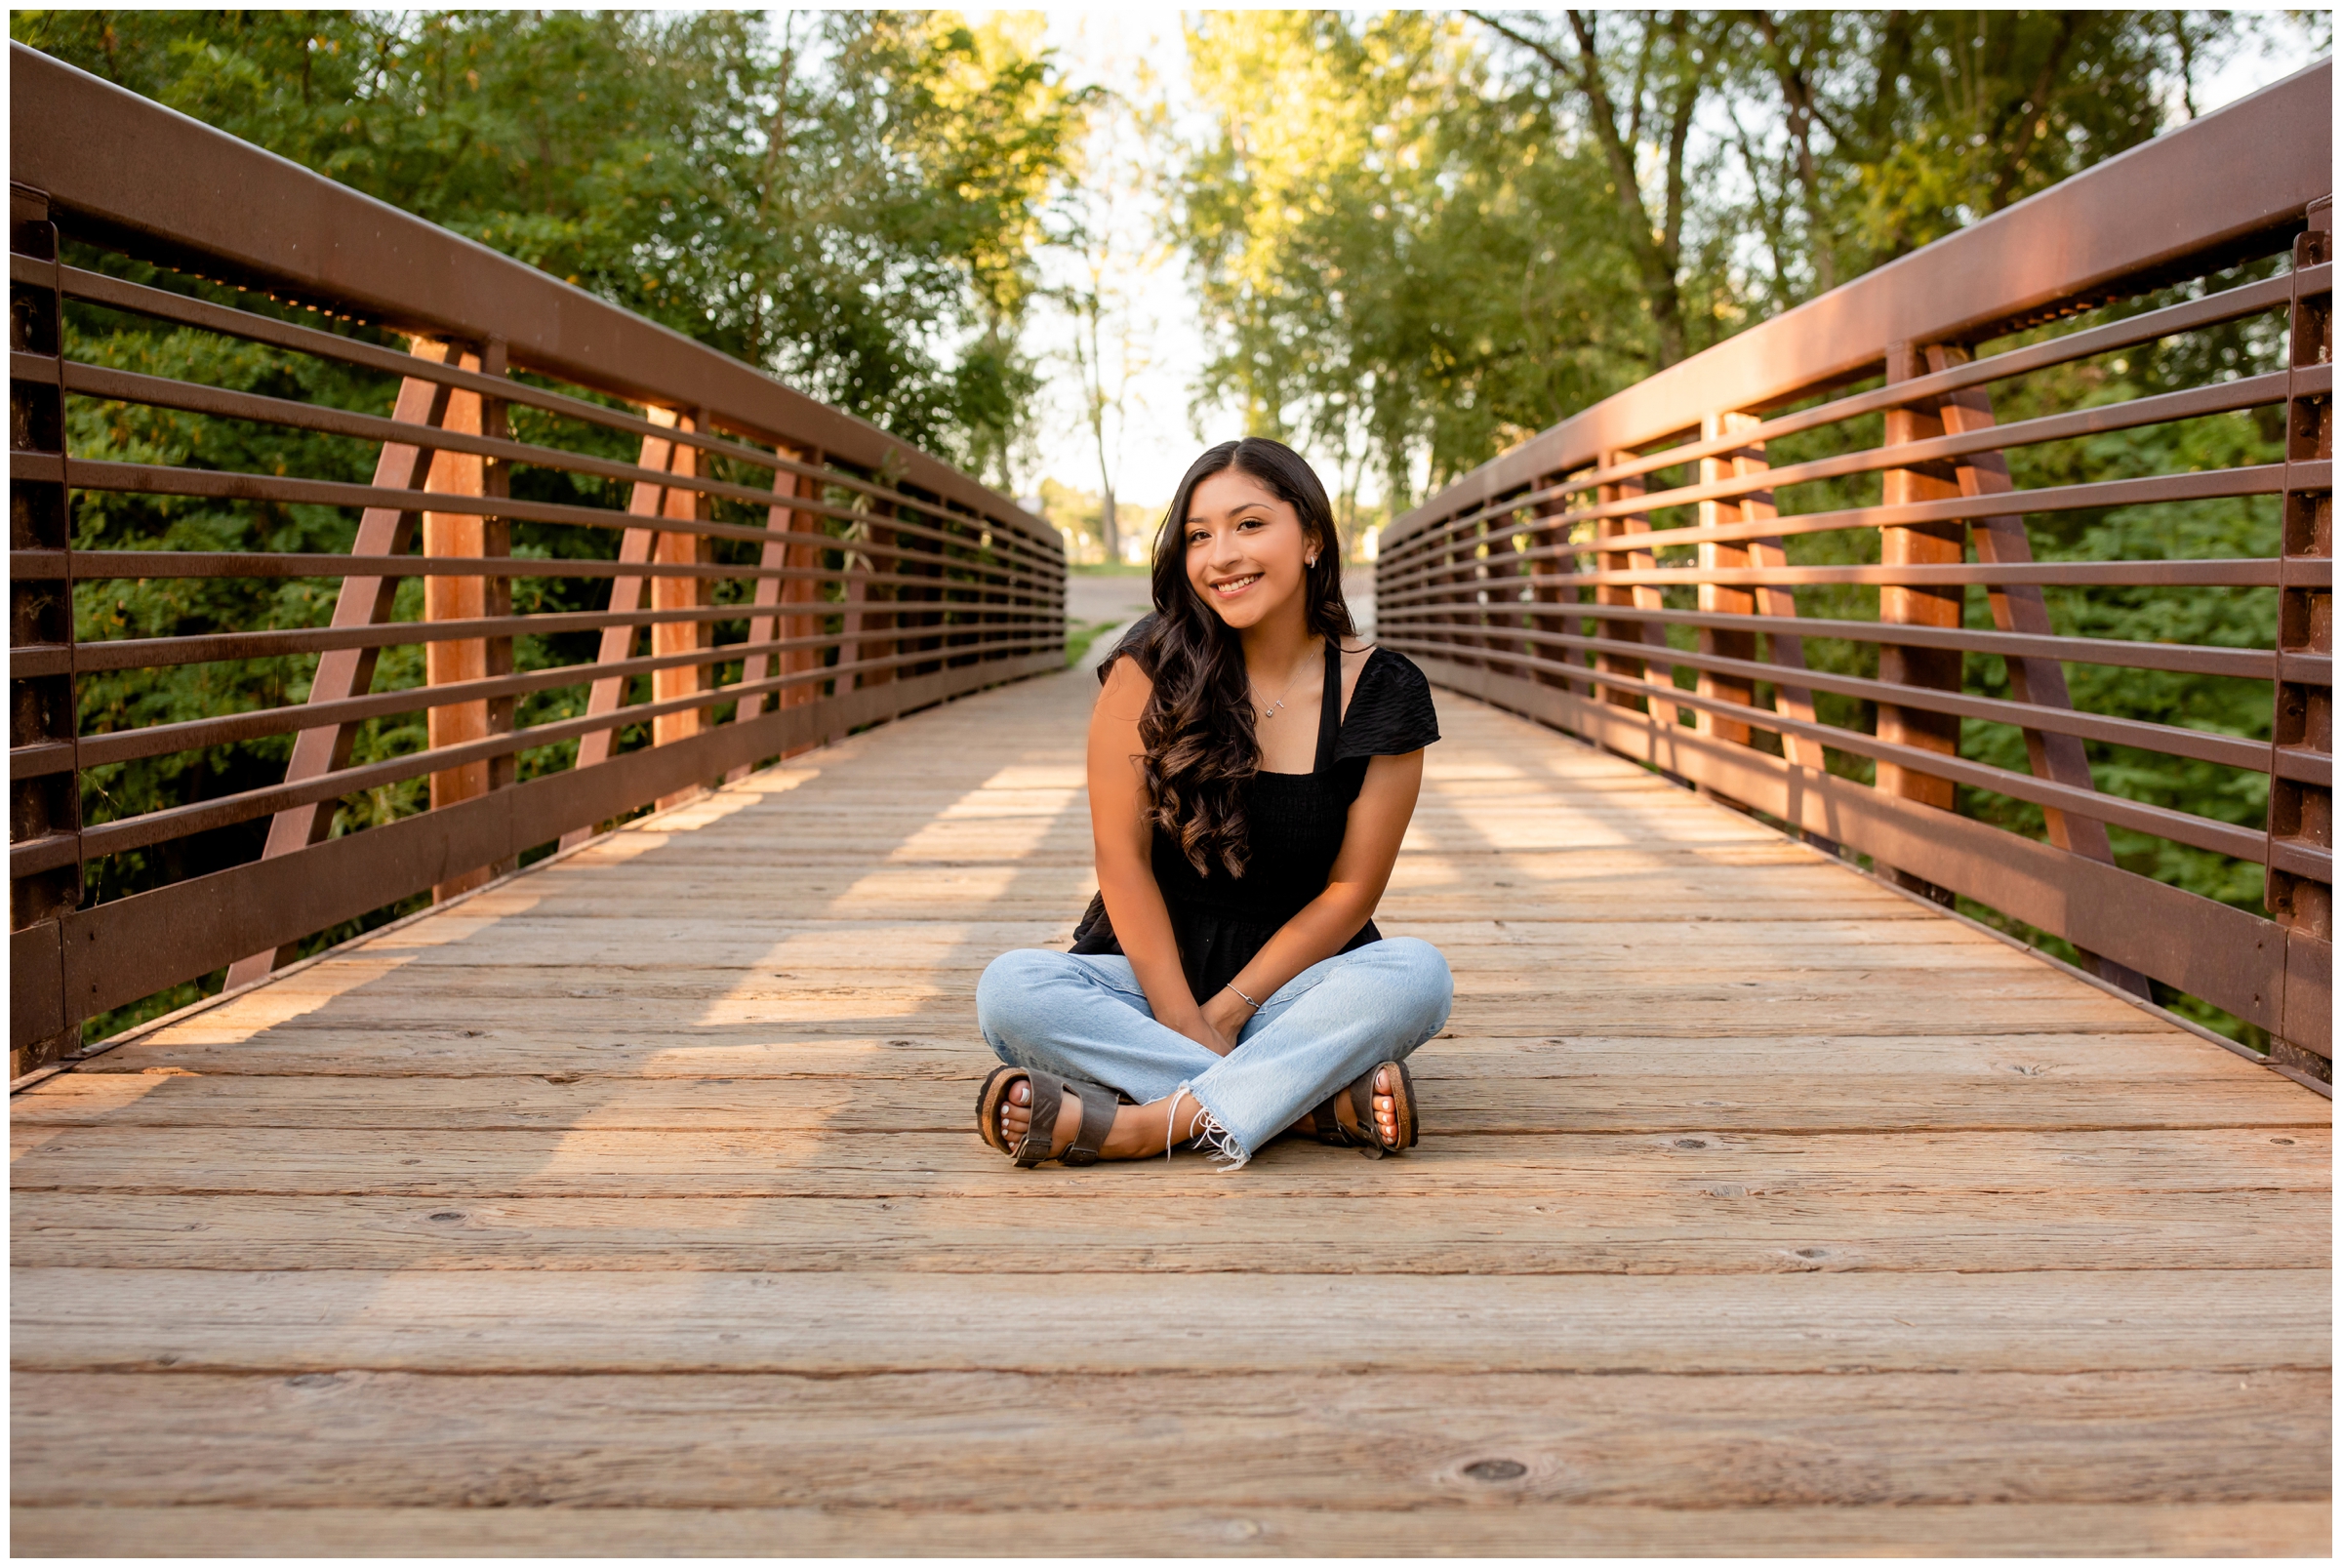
column 1079, row 634
column 1405, row 262
column 2235, row 618
column 853, row 203
column 1435, row 236
column 1080, row 515
column 1432, row 237
column 1896, row 128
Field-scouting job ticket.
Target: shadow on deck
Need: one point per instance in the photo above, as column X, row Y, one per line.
column 632, row 1205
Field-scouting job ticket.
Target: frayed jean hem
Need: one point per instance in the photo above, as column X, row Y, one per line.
column 1085, row 1016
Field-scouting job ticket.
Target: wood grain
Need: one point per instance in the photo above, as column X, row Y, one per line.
column 632, row 1207
column 1719, row 1228
column 2261, row 1528
column 566, row 1321
column 962, row 1440
column 602, row 1163
column 297, row 1049
column 1455, row 1105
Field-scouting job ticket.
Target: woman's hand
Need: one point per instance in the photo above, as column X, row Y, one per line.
column 1216, row 1038
column 1123, row 840
column 1224, row 1017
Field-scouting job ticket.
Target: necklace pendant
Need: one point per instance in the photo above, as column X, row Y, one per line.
column 1270, row 711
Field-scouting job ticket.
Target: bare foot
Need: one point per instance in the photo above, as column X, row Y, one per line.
column 1137, row 1134
column 1016, row 1117
column 1386, row 1110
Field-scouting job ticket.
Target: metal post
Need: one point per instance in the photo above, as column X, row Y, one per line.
column 363, row 601
column 682, row 593
column 2021, row 607
column 465, row 598
column 43, row 709
column 811, row 616
column 609, row 694
column 1716, row 598
column 1919, row 544
column 1634, row 526
column 2301, row 796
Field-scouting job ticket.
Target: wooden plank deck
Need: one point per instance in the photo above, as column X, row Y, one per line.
column 632, row 1205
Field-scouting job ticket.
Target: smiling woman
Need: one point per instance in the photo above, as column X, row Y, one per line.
column 1252, row 769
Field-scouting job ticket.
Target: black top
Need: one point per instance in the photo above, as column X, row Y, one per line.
column 1294, row 825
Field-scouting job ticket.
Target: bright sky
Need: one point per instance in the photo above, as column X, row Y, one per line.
column 1112, row 47
column 1109, row 47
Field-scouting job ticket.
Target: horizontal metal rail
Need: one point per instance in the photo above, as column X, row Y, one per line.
column 98, row 748
column 2229, row 304
column 1552, row 579
column 2228, row 750
column 161, row 393
column 2260, row 479
column 2226, row 397
column 222, row 810
column 767, row 574
column 163, row 305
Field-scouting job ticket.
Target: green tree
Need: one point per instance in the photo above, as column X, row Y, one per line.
column 1438, row 234
column 1406, row 268
column 853, row 203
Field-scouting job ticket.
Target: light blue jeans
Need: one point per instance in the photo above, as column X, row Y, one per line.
column 1081, row 1016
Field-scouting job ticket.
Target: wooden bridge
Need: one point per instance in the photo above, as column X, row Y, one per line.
column 632, row 1204
column 628, row 1201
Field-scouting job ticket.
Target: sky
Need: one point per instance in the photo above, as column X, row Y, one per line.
column 1120, row 48
column 1110, row 48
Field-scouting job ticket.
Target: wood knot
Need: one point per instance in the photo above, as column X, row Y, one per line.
column 1496, row 1470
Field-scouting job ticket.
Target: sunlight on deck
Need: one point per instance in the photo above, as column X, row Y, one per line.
column 632, row 1206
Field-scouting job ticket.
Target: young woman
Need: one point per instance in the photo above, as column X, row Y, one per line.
column 1252, row 768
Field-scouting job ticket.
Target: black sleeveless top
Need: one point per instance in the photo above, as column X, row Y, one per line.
column 1294, row 826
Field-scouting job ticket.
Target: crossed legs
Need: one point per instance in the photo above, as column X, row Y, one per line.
column 1086, row 1017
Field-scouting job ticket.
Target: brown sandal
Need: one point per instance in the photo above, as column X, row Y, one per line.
column 1048, row 1099
column 1366, row 1137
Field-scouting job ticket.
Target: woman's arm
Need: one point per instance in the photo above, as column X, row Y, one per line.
column 1378, row 821
column 1124, row 843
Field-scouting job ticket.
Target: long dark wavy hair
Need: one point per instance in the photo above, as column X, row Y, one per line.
column 1198, row 725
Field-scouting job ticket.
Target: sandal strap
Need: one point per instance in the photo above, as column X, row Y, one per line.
column 1366, row 1137
column 1361, row 1100
column 1335, row 1133
column 1048, row 1093
column 1097, row 1120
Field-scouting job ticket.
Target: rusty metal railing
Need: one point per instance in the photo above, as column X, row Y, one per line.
column 1549, row 581
column 836, row 576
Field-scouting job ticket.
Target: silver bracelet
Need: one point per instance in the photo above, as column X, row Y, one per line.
column 1248, row 1001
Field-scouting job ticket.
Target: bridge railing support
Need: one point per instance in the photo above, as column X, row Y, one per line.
column 2220, row 224
column 761, row 573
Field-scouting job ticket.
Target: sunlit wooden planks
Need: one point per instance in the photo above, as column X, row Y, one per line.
column 1530, row 1528
column 630, row 1206
column 1722, row 1228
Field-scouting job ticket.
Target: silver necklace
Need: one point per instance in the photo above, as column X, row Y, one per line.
column 1270, row 711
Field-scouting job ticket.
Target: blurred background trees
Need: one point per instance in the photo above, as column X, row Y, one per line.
column 1412, row 237
column 1409, row 240
column 852, row 200
column 1422, row 236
